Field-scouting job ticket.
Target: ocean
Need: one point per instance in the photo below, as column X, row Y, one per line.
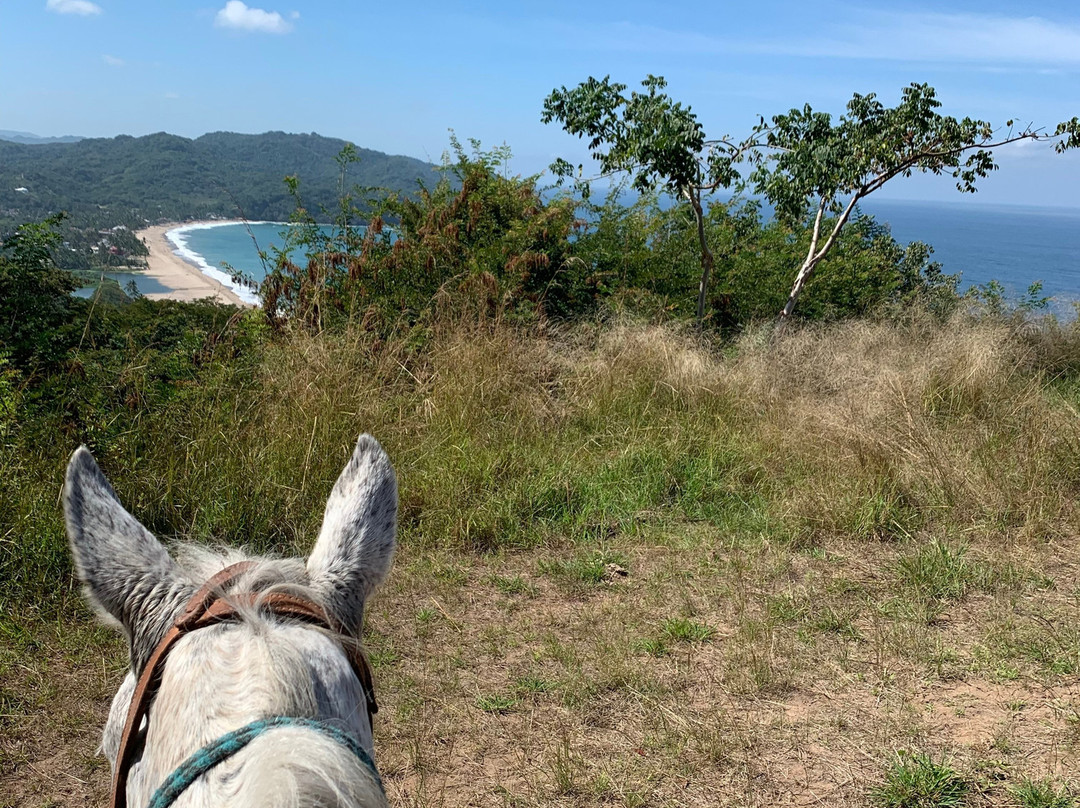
column 212, row 244
column 1015, row 245
column 208, row 245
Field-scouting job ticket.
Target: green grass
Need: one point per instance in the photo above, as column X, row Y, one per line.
column 515, row 585
column 834, row 621
column 590, row 569
column 652, row 646
column 937, row 571
column 496, row 703
column 533, row 685
column 534, row 447
column 870, row 514
column 917, row 781
column 683, row 629
column 1042, row 794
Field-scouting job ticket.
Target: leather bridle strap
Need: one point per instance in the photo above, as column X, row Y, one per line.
column 205, row 608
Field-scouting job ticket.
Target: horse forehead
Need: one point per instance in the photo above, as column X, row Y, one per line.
column 222, row 677
column 261, row 656
column 287, row 654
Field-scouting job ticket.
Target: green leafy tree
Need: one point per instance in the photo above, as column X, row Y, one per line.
column 318, row 289
column 482, row 238
column 656, row 140
column 804, row 163
column 9, row 394
column 35, row 296
column 820, row 167
column 478, row 240
column 617, row 241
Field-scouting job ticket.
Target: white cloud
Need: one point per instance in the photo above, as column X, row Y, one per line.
column 83, row 8
column 240, row 16
column 112, row 61
column 987, row 39
column 934, row 37
column 172, row 96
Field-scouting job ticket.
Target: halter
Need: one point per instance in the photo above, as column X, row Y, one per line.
column 208, row 607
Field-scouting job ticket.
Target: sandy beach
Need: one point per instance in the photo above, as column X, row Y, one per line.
column 185, row 281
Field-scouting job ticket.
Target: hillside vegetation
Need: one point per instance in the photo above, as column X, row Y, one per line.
column 644, row 560
column 114, row 186
column 29, row 137
column 168, row 177
column 117, row 186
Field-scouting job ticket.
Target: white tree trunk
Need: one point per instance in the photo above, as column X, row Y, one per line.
column 814, row 255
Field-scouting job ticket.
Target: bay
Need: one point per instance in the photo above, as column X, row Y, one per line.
column 144, row 283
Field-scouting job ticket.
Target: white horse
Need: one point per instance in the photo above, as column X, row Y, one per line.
column 296, row 683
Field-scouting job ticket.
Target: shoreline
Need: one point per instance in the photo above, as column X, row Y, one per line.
column 183, row 279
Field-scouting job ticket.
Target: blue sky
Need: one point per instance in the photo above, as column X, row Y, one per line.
column 396, row 76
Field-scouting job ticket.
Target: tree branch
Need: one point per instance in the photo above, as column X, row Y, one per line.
column 839, row 225
column 817, row 231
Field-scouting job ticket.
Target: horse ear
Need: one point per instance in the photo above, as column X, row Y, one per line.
column 127, row 573
column 356, row 544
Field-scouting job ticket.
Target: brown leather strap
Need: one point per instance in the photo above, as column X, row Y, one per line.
column 205, row 608
column 210, row 592
column 146, row 686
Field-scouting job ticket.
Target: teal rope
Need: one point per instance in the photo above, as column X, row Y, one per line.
column 229, row 744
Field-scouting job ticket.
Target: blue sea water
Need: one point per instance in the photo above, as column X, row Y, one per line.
column 211, row 246
column 144, row 283
column 1014, row 245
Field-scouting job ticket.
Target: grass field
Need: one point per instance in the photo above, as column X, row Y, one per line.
column 636, row 568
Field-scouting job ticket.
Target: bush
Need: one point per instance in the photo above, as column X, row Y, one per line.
column 35, row 296
column 647, row 246
column 478, row 245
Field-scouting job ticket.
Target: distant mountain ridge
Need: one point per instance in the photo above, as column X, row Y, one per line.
column 30, row 138
column 169, row 177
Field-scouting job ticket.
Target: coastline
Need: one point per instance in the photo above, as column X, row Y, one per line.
column 184, row 280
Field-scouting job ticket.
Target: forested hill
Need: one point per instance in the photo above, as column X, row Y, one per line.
column 165, row 176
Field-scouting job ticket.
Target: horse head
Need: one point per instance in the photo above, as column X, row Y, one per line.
column 275, row 660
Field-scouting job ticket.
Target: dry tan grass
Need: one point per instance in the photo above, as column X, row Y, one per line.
column 547, row 698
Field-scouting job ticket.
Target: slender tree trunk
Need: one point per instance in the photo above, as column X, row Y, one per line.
column 814, row 255
column 707, row 262
column 797, row 287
